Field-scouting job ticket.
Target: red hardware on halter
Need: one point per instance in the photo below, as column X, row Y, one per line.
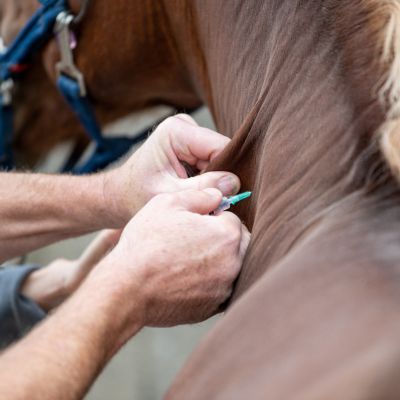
column 18, row 68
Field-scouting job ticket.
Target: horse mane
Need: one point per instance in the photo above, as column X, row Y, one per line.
column 368, row 39
column 387, row 16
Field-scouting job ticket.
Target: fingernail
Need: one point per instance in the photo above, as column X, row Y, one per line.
column 227, row 185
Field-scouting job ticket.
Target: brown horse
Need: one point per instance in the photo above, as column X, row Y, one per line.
column 308, row 90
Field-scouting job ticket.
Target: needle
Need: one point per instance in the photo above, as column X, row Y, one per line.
column 227, row 202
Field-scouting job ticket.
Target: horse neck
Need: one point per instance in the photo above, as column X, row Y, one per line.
column 136, row 51
column 126, row 55
column 281, row 78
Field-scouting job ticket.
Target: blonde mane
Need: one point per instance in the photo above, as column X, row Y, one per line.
column 388, row 11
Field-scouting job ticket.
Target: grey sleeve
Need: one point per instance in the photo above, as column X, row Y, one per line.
column 18, row 314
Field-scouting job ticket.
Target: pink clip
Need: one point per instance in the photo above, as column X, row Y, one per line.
column 72, row 40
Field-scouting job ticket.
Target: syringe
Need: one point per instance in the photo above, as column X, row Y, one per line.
column 227, row 202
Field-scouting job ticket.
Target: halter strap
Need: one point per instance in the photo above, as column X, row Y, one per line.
column 36, row 33
column 71, row 84
column 39, row 30
column 107, row 150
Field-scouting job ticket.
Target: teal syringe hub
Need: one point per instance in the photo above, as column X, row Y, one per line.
column 227, row 202
column 239, row 197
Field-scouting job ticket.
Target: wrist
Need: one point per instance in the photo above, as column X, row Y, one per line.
column 117, row 195
column 119, row 297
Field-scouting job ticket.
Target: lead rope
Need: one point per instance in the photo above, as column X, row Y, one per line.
column 71, row 84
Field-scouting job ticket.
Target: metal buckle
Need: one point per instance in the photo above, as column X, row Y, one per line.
column 6, row 88
column 67, row 65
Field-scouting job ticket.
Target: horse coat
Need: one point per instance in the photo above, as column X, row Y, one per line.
column 308, row 91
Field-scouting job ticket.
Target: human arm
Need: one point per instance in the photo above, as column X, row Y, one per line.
column 173, row 264
column 51, row 285
column 38, row 209
column 61, row 357
column 29, row 292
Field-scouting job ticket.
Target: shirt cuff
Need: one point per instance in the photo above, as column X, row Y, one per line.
column 18, row 314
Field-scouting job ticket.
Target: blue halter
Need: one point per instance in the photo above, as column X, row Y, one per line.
column 51, row 18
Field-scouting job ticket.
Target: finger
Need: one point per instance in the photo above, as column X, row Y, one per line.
column 226, row 182
column 192, row 143
column 198, row 201
column 202, row 165
column 230, row 220
column 100, row 246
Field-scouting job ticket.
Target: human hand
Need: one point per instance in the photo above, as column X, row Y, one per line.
column 157, row 167
column 51, row 285
column 175, row 262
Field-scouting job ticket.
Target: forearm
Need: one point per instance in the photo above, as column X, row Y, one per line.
column 38, row 209
column 62, row 357
column 52, row 285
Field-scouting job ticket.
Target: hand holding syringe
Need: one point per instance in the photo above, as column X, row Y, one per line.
column 227, row 202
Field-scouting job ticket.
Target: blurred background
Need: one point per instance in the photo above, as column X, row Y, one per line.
column 146, row 366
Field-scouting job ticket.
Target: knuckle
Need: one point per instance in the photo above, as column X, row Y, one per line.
column 220, row 233
column 230, row 232
column 181, row 116
column 231, row 220
column 231, row 274
column 227, row 292
column 170, row 122
column 164, row 199
column 197, row 184
column 224, row 293
column 186, row 118
column 236, row 234
column 227, row 275
column 156, row 200
column 167, row 121
column 192, row 194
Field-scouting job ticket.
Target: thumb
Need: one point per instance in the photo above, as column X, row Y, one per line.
column 199, row 201
column 226, row 182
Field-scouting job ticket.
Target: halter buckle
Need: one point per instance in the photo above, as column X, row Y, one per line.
column 67, row 65
column 6, row 88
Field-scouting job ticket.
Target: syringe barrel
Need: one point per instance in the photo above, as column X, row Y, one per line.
column 224, row 205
